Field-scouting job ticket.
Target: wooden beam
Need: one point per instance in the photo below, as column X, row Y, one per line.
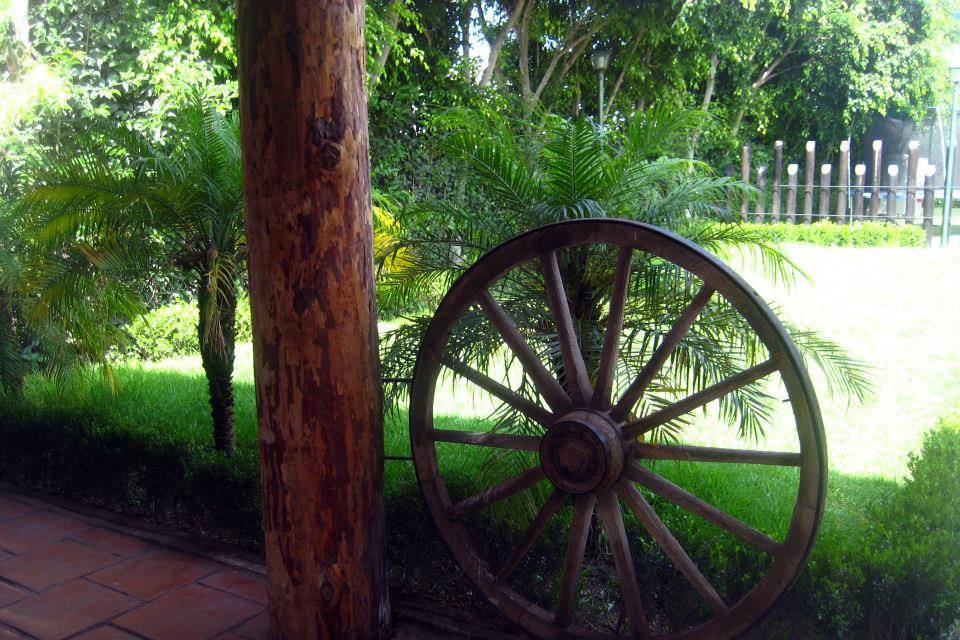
column 307, row 188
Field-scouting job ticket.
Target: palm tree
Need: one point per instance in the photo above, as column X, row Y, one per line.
column 565, row 170
column 118, row 198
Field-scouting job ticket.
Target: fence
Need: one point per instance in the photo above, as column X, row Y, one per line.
column 888, row 197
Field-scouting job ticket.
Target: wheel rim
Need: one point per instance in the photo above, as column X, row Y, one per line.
column 589, row 451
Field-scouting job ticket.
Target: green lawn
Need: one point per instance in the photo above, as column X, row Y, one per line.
column 898, row 310
column 894, row 308
column 889, row 306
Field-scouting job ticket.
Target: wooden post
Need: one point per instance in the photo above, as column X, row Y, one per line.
column 307, row 189
column 777, row 178
column 877, row 178
column 859, row 172
column 892, row 172
column 928, row 200
column 843, row 181
column 824, row 211
column 761, row 206
column 792, row 192
column 808, row 169
column 745, row 176
column 910, row 212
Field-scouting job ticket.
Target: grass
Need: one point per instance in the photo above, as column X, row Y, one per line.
column 892, row 307
column 889, row 306
column 896, row 309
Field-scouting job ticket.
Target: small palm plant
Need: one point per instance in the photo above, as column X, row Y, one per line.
column 59, row 307
column 119, row 199
column 568, row 170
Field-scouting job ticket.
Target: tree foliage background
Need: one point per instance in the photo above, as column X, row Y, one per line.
column 758, row 70
column 764, row 69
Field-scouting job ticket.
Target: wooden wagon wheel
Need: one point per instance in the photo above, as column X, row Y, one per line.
column 589, row 450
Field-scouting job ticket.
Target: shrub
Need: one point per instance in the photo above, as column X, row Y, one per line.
column 913, row 572
column 829, row 234
column 171, row 330
column 887, row 563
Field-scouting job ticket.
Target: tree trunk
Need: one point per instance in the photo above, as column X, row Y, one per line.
column 523, row 58
column 623, row 70
column 497, row 45
column 735, row 129
column 310, row 240
column 465, row 12
column 218, row 339
column 707, row 98
column 393, row 21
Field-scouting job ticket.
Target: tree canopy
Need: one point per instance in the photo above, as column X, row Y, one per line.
column 764, row 69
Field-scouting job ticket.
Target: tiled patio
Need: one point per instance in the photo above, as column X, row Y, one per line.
column 69, row 572
column 65, row 575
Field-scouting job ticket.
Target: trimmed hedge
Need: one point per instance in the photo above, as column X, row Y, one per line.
column 171, row 330
column 829, row 234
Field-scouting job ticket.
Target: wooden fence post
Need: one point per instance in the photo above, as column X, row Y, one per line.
column 808, row 169
column 824, row 211
column 877, row 173
column 859, row 172
column 892, row 172
column 777, row 178
column 309, row 234
column 929, row 196
column 910, row 211
column 843, row 181
column 745, row 176
column 760, row 209
column 792, row 192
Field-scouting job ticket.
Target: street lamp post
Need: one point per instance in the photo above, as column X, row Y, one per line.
column 600, row 59
column 951, row 152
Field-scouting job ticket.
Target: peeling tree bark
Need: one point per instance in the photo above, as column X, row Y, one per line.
column 307, row 189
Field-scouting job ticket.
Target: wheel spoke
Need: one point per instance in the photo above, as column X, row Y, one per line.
column 660, row 355
column 692, row 503
column 611, row 341
column 505, row 489
column 528, row 408
column 661, row 534
column 546, row 384
column 582, row 514
column 540, row 521
column 714, row 454
column 497, row 440
column 688, row 404
column 609, row 508
column 573, row 365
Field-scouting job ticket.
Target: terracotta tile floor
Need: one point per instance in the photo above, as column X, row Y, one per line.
column 72, row 573
column 66, row 575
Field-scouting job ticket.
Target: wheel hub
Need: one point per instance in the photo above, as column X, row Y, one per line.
column 581, row 452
